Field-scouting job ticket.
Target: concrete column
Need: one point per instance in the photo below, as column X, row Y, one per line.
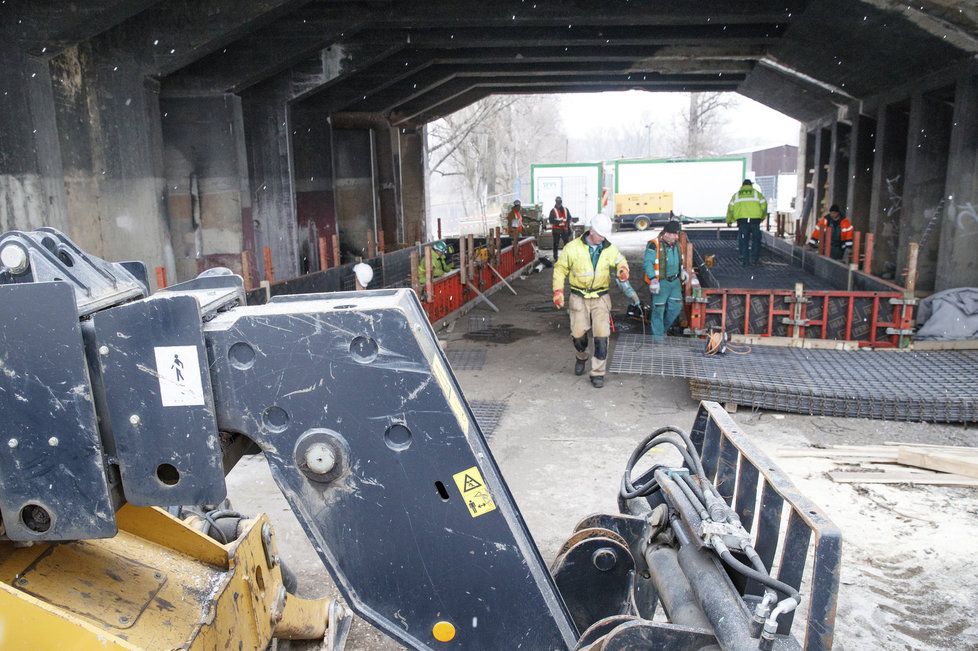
column 839, row 165
column 926, row 170
column 863, row 142
column 886, row 204
column 207, row 194
column 412, row 151
column 354, row 183
column 112, row 154
column 268, row 144
column 388, row 192
column 312, row 152
column 957, row 262
column 31, row 176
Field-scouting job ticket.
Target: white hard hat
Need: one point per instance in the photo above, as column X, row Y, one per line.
column 601, row 224
column 364, row 273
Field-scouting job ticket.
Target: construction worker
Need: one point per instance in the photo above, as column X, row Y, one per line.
column 748, row 208
column 439, row 261
column 665, row 275
column 590, row 262
column 841, row 233
column 560, row 224
column 514, row 222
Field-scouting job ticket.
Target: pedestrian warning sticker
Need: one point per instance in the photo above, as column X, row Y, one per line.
column 179, row 373
column 474, row 492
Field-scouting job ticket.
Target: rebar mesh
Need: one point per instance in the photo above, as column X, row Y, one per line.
column 466, row 359
column 775, row 270
column 487, row 413
column 933, row 386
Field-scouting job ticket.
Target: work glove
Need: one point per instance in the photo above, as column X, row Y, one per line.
column 654, row 286
column 623, row 273
column 559, row 299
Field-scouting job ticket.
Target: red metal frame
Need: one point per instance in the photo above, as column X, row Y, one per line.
column 450, row 296
column 901, row 316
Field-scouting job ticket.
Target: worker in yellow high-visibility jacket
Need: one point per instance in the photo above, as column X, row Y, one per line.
column 589, row 263
column 748, row 208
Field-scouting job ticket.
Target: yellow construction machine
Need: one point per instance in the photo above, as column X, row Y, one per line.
column 123, row 410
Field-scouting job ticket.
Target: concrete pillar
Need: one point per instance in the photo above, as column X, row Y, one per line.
column 823, row 149
column 354, row 183
column 957, row 263
column 112, row 155
column 838, row 174
column 926, row 170
column 388, row 190
column 269, row 151
column 413, row 176
column 886, row 203
column 861, row 156
column 207, row 194
column 312, row 153
column 31, row 176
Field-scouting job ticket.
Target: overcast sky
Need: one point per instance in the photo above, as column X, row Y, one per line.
column 748, row 122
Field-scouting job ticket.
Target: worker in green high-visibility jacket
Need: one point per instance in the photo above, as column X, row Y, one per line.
column 747, row 208
column 439, row 261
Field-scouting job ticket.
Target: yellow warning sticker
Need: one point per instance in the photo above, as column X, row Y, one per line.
column 474, row 492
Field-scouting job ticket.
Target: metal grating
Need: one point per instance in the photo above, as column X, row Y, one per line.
column 466, row 359
column 933, row 386
column 487, row 413
column 479, row 322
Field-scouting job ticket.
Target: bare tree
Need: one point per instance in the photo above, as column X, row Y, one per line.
column 701, row 123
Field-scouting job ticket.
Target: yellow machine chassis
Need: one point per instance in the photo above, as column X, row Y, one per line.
column 158, row 584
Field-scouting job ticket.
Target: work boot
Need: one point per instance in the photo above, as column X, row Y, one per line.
column 579, row 366
column 597, row 381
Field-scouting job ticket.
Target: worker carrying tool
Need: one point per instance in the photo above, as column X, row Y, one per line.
column 665, row 274
column 560, row 224
column 588, row 262
column 514, row 222
column 440, row 264
column 748, row 208
column 840, row 231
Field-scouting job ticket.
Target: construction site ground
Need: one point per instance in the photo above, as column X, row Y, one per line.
column 908, row 577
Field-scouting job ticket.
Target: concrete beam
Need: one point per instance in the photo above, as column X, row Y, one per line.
column 419, row 85
column 402, row 68
column 452, row 88
column 791, row 95
column 587, row 35
column 957, row 264
column 269, row 50
column 174, row 33
column 549, row 13
column 45, row 27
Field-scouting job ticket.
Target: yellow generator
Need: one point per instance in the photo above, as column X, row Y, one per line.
column 643, row 210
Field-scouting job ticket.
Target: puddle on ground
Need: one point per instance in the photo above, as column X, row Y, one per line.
column 504, row 333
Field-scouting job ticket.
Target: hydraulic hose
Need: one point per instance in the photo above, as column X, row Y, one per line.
column 761, row 577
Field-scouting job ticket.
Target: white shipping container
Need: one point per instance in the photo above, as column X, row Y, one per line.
column 577, row 184
column 701, row 189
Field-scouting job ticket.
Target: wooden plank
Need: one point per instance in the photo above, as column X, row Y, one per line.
column 899, row 477
column 966, row 465
column 868, row 453
column 966, row 449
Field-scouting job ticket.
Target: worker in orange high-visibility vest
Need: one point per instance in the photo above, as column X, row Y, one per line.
column 836, row 226
column 560, row 224
column 514, row 222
